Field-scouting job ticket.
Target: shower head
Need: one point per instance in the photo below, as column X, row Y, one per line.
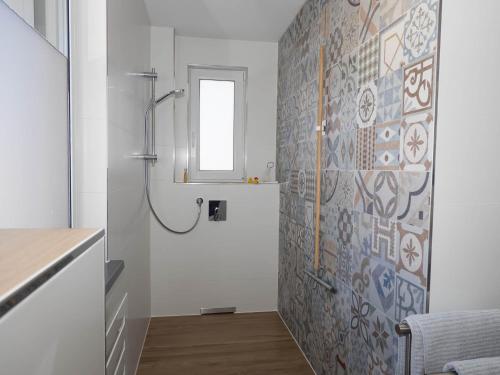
column 177, row 93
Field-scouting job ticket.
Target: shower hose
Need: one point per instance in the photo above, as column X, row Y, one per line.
column 147, row 181
column 199, row 202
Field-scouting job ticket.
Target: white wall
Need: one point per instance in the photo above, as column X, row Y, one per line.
column 234, row 263
column 128, row 216
column 24, row 8
column 89, row 113
column 466, row 237
column 261, row 59
column 33, row 128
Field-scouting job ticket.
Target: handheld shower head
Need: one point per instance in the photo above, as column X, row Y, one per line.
column 177, row 93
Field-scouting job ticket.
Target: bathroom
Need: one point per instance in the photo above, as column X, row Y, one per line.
column 249, row 187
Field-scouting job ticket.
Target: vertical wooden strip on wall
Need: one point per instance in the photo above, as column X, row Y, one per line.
column 319, row 143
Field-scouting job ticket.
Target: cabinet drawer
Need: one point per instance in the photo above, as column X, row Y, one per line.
column 116, row 353
column 116, row 326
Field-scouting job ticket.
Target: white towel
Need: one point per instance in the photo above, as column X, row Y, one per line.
column 481, row 366
column 440, row 338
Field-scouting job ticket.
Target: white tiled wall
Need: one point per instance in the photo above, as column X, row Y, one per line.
column 234, row 263
column 128, row 215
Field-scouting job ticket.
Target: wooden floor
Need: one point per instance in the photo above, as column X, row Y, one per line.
column 240, row 344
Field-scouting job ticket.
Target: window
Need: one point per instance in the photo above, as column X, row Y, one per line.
column 217, row 123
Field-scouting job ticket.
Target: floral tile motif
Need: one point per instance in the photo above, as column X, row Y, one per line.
column 369, row 15
column 384, row 339
column 387, row 144
column 333, row 116
column 363, row 198
column 303, row 183
column 391, row 46
column 417, row 144
column 418, row 91
column 349, row 92
column 414, row 201
column 366, row 112
column 384, row 240
column 365, row 148
column 421, row 28
column 363, row 233
column 368, row 61
column 410, row 298
column 413, row 253
column 385, row 194
column 347, row 150
column 331, row 150
column 361, row 274
column 343, row 196
column 389, row 105
column 361, row 313
column 358, row 363
column 383, row 286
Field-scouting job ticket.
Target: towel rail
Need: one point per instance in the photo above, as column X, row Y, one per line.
column 404, row 330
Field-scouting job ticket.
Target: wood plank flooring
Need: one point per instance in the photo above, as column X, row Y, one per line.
column 239, row 344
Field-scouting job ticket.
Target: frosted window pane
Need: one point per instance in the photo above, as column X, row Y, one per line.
column 216, row 125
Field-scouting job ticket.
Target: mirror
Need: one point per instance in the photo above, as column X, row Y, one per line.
column 48, row 17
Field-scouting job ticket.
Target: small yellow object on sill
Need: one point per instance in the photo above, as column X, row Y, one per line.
column 254, row 180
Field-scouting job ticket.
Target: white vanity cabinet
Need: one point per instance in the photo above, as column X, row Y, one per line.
column 58, row 328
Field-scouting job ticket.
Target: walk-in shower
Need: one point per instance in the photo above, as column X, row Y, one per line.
column 149, row 155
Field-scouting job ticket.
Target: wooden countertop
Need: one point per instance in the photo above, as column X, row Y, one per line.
column 27, row 253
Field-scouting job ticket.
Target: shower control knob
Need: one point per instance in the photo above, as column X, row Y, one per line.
column 199, row 201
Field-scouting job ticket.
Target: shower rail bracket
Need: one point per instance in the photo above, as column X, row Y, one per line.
column 144, row 157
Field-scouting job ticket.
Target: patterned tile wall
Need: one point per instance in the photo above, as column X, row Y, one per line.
column 380, row 85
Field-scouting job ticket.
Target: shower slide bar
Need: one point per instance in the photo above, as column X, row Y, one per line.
column 324, row 284
column 403, row 330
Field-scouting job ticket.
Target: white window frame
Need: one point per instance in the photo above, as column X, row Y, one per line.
column 239, row 76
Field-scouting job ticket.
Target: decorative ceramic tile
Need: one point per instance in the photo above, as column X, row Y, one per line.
column 389, row 89
column 414, row 201
column 347, row 150
column 366, row 112
column 345, row 226
column 329, row 218
column 331, row 150
column 333, row 123
column 368, row 61
column 413, row 253
column 384, row 240
column 344, row 264
column 391, row 48
column 365, row 148
column 343, row 196
column 361, row 313
column 382, row 286
column 369, row 14
column 410, row 298
column 421, row 28
column 363, row 233
column 342, row 29
column 309, row 215
column 385, row 194
column 329, row 185
column 361, row 274
column 390, row 11
column 349, row 93
column 303, row 183
column 329, row 258
column 375, row 365
column 387, row 144
column 417, row 144
column 363, row 198
column 418, row 92
column 384, row 338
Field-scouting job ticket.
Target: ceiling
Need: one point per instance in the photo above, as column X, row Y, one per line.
column 258, row 20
